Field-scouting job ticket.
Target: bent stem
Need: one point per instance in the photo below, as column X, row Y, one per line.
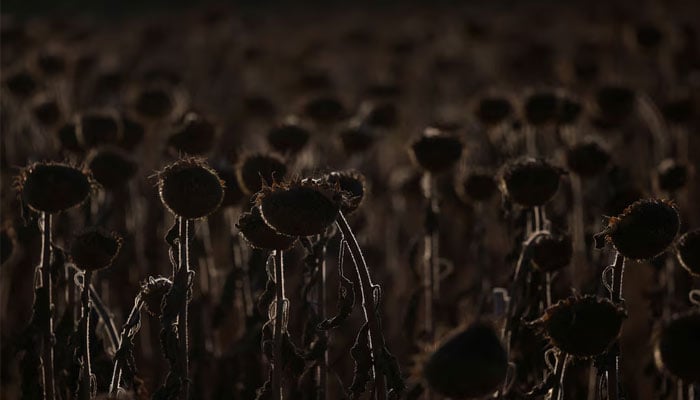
column 369, row 305
column 277, row 370
column 47, row 343
column 102, row 312
column 515, row 308
column 129, row 329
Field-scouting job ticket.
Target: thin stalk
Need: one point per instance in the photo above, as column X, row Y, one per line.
column 322, row 370
column 101, row 309
column 618, row 271
column 579, row 240
column 691, row 391
column 616, row 297
column 531, row 140
column 514, row 307
column 86, row 384
column 651, row 116
column 592, row 382
column 670, row 287
column 47, row 344
column 208, row 264
column 182, row 317
column 548, row 289
column 540, row 223
column 243, row 284
column 431, row 268
column 559, row 371
column 126, row 332
column 368, row 304
column 102, row 312
column 277, row 371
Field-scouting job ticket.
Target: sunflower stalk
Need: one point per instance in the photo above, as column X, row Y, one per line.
column 367, row 291
column 46, row 282
column 279, row 328
column 86, row 389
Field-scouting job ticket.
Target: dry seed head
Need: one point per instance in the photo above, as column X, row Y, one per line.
column 551, row 252
column 289, row 137
column 259, row 235
column 111, row 167
column 644, row 229
column 233, row 195
column 156, row 102
column 259, row 106
column 68, row 138
column 587, row 158
column 21, row 84
column 53, row 187
column 353, row 184
column 679, row 110
column 688, row 252
column 132, row 133
column 94, row 249
column 300, row 208
column 615, row 102
column 621, row 198
column 190, row 189
column 254, row 170
column 568, row 110
column 194, row 136
column 541, row 108
column 475, row 185
column 98, row 127
column 436, row 151
column 152, row 293
column 582, row 326
column 357, row 138
column 162, row 74
column 470, row 364
column 672, row 175
column 647, row 35
column 50, row 63
column 677, row 348
column 531, row 182
column 493, row 110
column 325, row 110
column 383, row 115
column 46, row 111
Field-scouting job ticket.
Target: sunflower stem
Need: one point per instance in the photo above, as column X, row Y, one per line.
column 277, row 370
column 430, row 257
column 130, row 321
column 322, row 370
column 369, row 306
column 86, row 383
column 559, row 371
column 48, row 339
column 616, row 297
column 182, row 318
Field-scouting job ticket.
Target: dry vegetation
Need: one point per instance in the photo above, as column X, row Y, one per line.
column 385, row 202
